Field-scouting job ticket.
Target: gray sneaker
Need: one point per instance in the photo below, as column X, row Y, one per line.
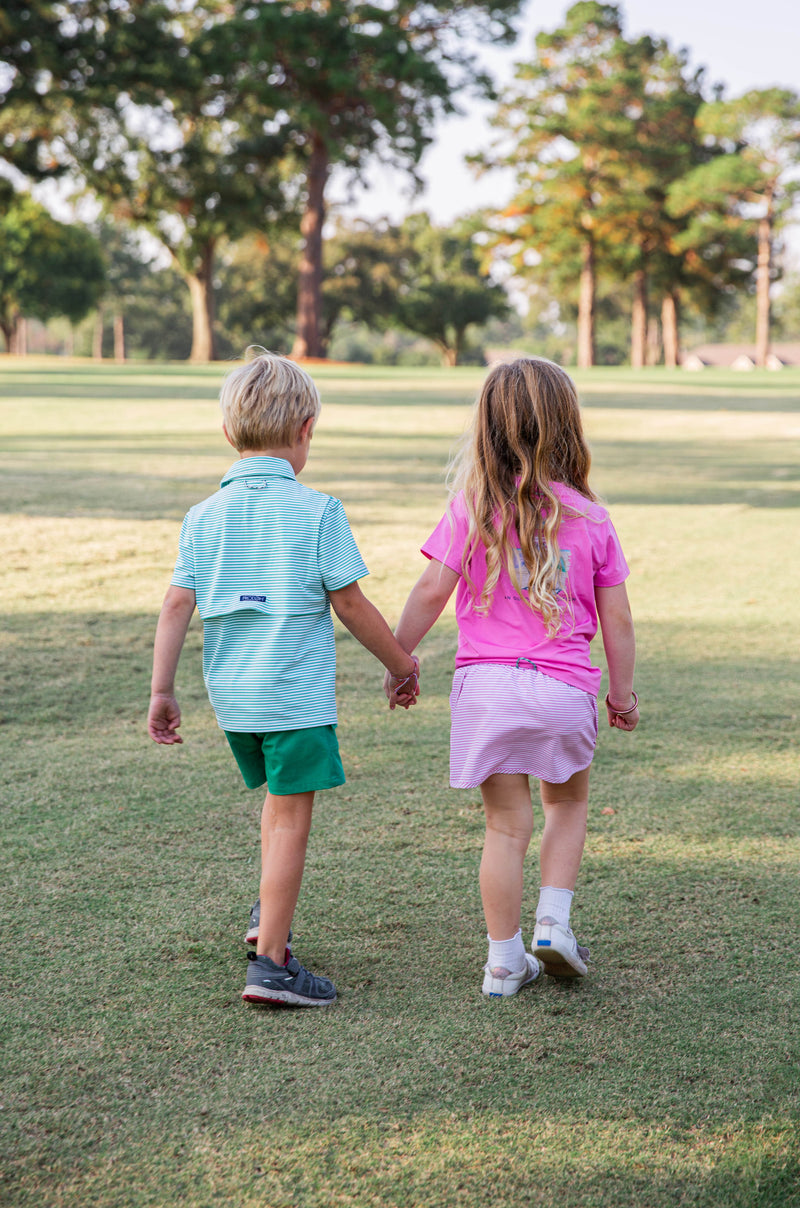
column 251, row 935
column 288, row 985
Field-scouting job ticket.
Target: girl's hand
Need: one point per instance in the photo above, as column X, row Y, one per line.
column 623, row 717
column 402, row 692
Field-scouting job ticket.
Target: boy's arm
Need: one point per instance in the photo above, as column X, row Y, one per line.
column 619, row 643
column 164, row 715
column 368, row 626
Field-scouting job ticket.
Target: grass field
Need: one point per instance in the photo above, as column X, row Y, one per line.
column 133, row 1075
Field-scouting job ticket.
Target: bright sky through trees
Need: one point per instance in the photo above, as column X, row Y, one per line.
column 742, row 45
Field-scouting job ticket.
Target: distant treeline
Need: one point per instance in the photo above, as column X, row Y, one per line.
column 645, row 204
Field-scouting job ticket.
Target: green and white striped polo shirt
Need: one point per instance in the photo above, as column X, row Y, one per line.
column 261, row 555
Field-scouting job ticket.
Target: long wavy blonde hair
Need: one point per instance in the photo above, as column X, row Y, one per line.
column 526, row 434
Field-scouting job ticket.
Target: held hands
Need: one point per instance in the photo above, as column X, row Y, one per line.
column 163, row 719
column 402, row 691
column 626, row 718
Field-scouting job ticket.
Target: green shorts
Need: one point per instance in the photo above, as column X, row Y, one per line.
column 288, row 761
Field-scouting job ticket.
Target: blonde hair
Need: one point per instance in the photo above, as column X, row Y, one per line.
column 265, row 401
column 526, row 433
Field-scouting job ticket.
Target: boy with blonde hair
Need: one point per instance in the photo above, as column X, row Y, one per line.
column 263, row 560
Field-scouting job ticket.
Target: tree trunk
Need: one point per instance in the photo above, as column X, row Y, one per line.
column 97, row 335
column 119, row 337
column 449, row 355
column 639, row 319
column 308, row 340
column 653, row 356
column 669, row 329
column 201, row 289
column 586, row 336
column 763, row 284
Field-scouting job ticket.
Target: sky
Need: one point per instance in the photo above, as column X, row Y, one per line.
column 743, row 44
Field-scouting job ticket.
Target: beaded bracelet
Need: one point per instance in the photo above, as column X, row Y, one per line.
column 401, row 683
column 623, row 712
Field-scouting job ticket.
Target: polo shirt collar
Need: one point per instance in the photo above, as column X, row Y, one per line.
column 258, row 467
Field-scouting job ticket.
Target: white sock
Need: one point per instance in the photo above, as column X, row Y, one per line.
column 554, row 904
column 507, row 954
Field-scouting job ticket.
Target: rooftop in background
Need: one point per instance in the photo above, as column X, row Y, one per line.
column 739, row 356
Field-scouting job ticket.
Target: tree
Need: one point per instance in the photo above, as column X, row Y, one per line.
column 566, row 126
column 47, row 268
column 367, row 265
column 446, row 290
column 662, row 146
column 40, row 57
column 139, row 108
column 158, row 320
column 759, row 134
column 386, row 73
column 173, row 157
column 257, row 292
column 127, row 271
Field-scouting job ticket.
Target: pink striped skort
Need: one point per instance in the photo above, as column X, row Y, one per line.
column 517, row 719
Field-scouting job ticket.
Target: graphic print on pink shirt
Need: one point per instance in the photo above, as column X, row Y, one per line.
column 591, row 557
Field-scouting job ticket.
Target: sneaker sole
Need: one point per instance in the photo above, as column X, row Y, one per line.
column 284, row 998
column 509, row 993
column 557, row 965
column 252, row 936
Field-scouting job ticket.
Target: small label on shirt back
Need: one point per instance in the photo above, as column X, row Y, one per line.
column 256, row 484
column 255, row 599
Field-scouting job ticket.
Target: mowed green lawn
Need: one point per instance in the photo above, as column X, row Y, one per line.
column 133, row 1075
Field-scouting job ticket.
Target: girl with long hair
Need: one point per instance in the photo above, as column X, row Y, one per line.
column 535, row 563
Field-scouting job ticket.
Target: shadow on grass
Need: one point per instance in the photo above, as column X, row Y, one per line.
column 42, row 482
column 695, row 400
column 760, row 475
column 70, row 672
column 133, row 1074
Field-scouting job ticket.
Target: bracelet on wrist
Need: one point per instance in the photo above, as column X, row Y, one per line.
column 623, row 712
column 399, row 682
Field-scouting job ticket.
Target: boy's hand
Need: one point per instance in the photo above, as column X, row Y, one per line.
column 402, row 692
column 163, row 719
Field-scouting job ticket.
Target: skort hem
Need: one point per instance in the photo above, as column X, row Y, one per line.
column 527, row 771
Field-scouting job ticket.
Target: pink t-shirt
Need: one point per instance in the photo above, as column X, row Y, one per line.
column 591, row 556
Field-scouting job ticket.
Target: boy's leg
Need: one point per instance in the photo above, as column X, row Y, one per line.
column 509, row 825
column 285, row 827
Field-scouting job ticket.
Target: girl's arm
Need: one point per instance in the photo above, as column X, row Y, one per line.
column 423, row 607
column 425, row 603
column 616, row 623
column 164, row 715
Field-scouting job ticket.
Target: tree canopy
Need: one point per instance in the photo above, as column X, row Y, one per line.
column 47, row 268
column 215, row 126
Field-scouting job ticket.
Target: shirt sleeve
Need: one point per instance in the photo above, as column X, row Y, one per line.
column 610, row 565
column 446, row 542
column 183, row 574
column 340, row 561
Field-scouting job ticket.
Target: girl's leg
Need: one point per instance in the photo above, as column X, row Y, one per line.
column 565, row 810
column 509, row 825
column 285, row 827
